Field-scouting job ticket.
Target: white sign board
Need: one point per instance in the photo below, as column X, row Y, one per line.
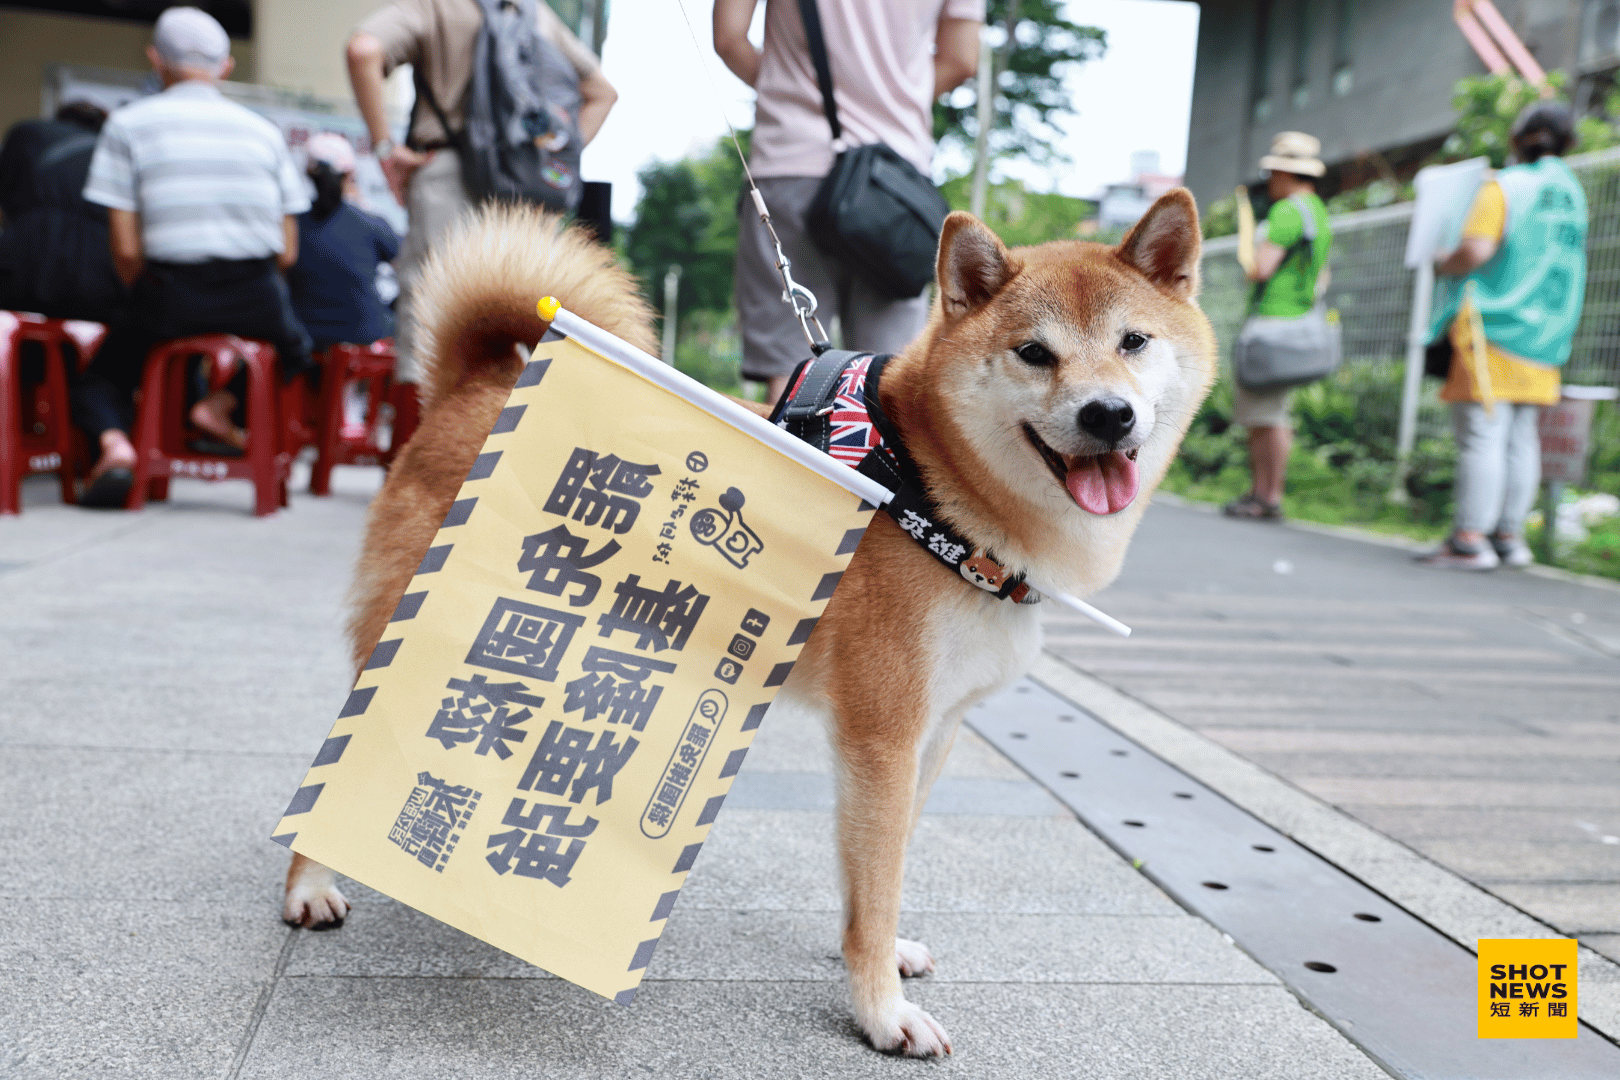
column 1444, row 193
column 1566, row 433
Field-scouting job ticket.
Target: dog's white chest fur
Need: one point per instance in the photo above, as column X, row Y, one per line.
column 975, row 646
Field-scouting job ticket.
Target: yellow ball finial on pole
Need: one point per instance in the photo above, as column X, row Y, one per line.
column 547, row 307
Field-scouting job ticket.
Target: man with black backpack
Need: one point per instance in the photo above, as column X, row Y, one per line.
column 845, row 108
column 506, row 98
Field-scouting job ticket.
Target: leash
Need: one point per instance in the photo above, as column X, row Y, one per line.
column 801, row 299
column 804, row 304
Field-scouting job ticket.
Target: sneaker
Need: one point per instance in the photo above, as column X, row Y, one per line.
column 1513, row 551
column 1453, row 556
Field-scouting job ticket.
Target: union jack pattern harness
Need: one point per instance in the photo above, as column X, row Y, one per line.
column 832, row 404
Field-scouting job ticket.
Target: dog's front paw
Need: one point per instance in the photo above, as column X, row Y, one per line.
column 913, row 958
column 906, row 1029
column 313, row 900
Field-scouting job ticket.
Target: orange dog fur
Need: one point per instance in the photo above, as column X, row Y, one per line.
column 998, row 402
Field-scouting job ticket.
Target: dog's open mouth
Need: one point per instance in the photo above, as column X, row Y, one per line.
column 1098, row 483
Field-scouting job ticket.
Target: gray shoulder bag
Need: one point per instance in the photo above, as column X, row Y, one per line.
column 1275, row 353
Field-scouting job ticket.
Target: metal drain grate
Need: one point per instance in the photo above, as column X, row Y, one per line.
column 1396, row 987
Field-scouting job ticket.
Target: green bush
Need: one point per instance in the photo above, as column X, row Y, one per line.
column 709, row 349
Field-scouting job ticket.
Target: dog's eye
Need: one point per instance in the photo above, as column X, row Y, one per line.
column 1133, row 341
column 1033, row 352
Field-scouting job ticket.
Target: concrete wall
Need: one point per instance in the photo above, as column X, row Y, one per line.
column 1405, row 57
column 300, row 43
column 30, row 40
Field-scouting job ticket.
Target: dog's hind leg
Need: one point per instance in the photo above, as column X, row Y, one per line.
column 313, row 900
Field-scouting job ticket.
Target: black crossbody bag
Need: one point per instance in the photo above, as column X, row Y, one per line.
column 874, row 210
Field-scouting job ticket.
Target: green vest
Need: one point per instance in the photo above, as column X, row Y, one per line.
column 1530, row 292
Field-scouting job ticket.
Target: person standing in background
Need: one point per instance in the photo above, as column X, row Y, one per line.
column 889, row 61
column 1522, row 265
column 437, row 37
column 1289, row 275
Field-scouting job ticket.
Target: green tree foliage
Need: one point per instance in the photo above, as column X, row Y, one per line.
column 1040, row 45
column 687, row 214
column 1487, row 105
column 1019, row 216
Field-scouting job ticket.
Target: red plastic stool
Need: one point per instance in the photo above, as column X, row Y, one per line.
column 35, row 434
column 407, row 417
column 160, row 428
column 340, row 443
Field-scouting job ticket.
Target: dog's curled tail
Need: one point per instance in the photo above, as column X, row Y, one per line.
column 474, row 300
column 476, row 295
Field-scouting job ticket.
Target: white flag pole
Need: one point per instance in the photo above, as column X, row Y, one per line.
column 723, row 408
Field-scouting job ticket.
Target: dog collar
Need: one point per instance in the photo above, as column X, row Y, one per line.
column 832, row 403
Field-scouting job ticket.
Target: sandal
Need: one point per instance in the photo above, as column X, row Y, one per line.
column 109, row 490
column 1252, row 507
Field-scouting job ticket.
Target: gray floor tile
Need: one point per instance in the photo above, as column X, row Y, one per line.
column 409, row 1028
column 1489, row 823
column 143, row 940
column 949, row 795
column 1459, row 793
column 144, row 825
column 784, row 860
column 1575, row 909
column 78, row 1027
column 1512, row 859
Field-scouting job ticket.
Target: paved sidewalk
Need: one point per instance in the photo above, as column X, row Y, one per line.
column 168, row 676
column 1475, row 718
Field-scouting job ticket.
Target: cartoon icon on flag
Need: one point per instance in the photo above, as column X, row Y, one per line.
column 726, row 531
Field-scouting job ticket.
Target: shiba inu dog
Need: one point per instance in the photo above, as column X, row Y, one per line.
column 1042, row 405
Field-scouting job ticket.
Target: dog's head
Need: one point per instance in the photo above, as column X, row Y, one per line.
column 1070, row 371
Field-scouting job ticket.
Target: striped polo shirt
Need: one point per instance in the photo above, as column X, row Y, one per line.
column 210, row 179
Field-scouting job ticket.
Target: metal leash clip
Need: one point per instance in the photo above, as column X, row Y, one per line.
column 801, row 299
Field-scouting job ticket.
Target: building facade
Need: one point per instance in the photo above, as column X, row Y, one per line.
column 1372, row 79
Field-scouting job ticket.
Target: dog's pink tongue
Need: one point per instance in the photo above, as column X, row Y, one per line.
column 1105, row 484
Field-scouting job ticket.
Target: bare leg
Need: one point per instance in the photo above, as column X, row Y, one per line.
column 313, row 900
column 1268, row 460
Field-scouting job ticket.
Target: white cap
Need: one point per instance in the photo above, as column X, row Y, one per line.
column 331, row 148
column 192, row 38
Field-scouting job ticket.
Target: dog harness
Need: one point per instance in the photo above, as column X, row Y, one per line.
column 832, row 404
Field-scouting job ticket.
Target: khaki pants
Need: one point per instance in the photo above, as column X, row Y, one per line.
column 435, row 201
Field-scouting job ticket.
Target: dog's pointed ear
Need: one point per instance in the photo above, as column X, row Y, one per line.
column 1166, row 245
column 973, row 264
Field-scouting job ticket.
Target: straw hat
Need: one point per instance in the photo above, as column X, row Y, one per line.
column 1295, row 152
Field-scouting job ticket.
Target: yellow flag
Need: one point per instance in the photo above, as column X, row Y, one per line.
column 1476, row 349
column 1245, row 216
column 536, row 749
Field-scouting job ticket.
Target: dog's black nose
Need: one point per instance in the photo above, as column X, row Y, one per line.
column 1109, row 419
